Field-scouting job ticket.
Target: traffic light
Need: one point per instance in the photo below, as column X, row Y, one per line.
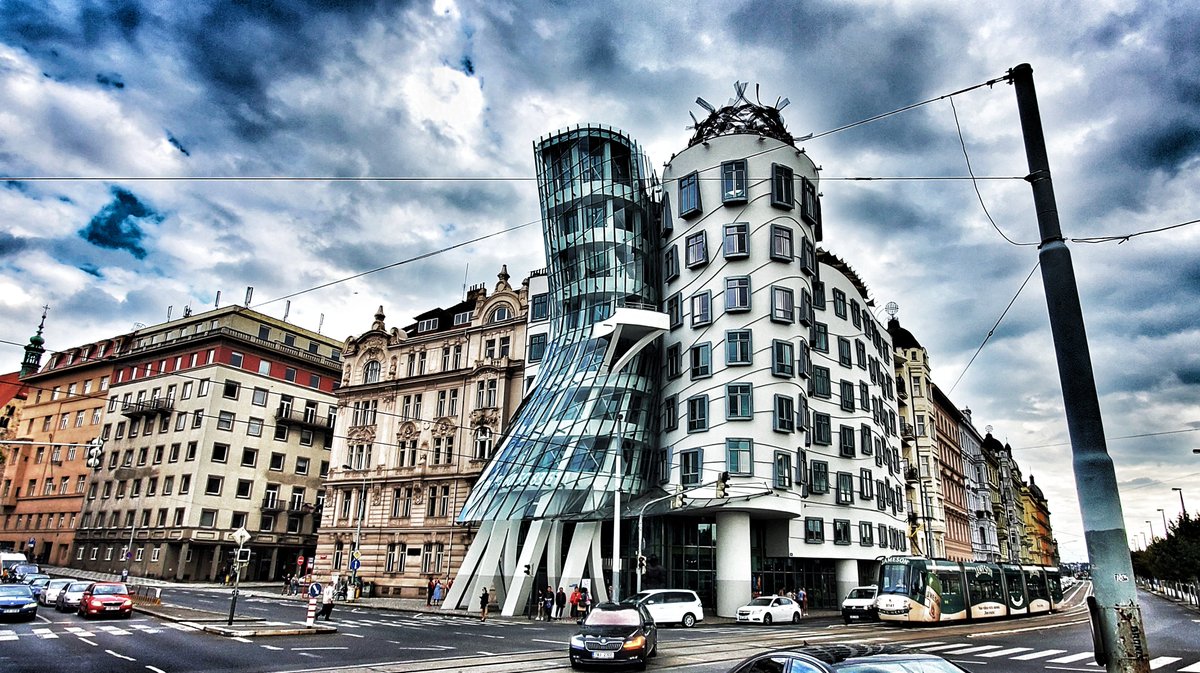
column 678, row 500
column 527, row 569
column 641, row 564
column 95, row 454
column 722, row 484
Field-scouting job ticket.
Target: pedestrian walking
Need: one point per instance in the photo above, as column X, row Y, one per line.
column 294, row 586
column 429, row 591
column 585, row 602
column 560, row 603
column 802, row 596
column 124, row 574
column 548, row 603
column 437, row 593
column 287, row 583
column 484, row 600
column 327, row 601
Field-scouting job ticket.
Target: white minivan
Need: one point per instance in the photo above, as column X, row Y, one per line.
column 860, row 604
column 8, row 560
column 670, row 606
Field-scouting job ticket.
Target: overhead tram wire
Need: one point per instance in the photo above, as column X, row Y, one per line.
column 993, row 330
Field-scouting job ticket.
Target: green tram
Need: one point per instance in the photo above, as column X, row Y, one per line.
column 921, row 590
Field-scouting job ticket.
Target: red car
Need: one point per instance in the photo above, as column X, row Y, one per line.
column 106, row 598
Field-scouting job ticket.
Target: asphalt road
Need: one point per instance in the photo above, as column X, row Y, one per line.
column 398, row 641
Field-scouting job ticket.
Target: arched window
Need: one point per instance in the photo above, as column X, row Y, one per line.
column 483, row 443
column 501, row 313
column 371, row 371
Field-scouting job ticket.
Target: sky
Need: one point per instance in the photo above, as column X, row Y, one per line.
column 450, row 96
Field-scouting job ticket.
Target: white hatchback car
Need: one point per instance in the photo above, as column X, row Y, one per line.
column 49, row 595
column 670, row 606
column 770, row 609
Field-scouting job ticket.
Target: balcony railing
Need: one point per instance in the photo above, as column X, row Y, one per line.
column 304, row 417
column 272, row 504
column 907, row 431
column 150, row 407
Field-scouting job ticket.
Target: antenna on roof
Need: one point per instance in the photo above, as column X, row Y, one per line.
column 320, row 323
column 217, row 303
column 169, row 312
column 466, row 272
column 287, row 308
column 249, row 294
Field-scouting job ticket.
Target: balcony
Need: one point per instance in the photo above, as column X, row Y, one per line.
column 300, row 507
column 307, row 418
column 907, row 432
column 911, row 475
column 272, row 503
column 151, row 407
column 9, row 499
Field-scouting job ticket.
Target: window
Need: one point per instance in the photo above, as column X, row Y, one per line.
column 674, row 361
column 675, row 310
column 427, row 325
column 783, row 362
column 782, row 475
column 820, row 476
column 537, row 347
column 483, row 443
column 230, row 390
column 737, row 240
column 866, row 534
column 810, row 208
column 208, row 518
column 814, row 529
column 733, row 181
column 225, row 420
column 696, row 250
column 783, row 188
column 501, row 314
column 738, row 403
column 244, row 488
column 737, row 293
column 212, row 485
column 738, row 347
column 844, row 354
column 847, row 394
column 671, row 263
column 822, row 429
column 539, row 307
column 808, row 264
column 821, row 385
column 701, row 307
column 820, row 337
column 782, row 248
column 235, row 359
column 739, row 456
column 701, row 360
column 841, row 531
column 785, row 414
column 220, row 453
column 839, row 303
column 277, row 462
column 697, row 413
column 783, row 305
column 302, row 465
column 689, row 195
column 689, row 467
column 866, row 484
column 845, row 488
column 371, row 371
column 402, row 499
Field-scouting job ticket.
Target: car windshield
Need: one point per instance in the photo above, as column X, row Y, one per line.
column 761, row 602
column 923, row 666
column 862, row 593
column 15, row 590
column 895, row 578
column 78, row 586
column 613, row 618
column 109, row 589
column 40, row 581
column 635, row 599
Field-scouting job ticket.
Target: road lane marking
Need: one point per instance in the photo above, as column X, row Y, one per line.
column 1194, row 668
column 943, row 648
column 45, row 634
column 1071, row 658
column 1005, row 653
column 977, row 648
column 1159, row 662
column 120, row 656
column 271, row 647
column 1038, row 655
column 354, row 635
column 300, row 649
column 155, row 669
column 431, row 648
column 552, row 642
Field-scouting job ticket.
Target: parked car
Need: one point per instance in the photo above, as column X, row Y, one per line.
column 106, row 598
column 670, row 606
column 770, row 609
column 614, row 633
column 38, row 584
column 52, row 589
column 17, row 601
column 860, row 604
column 69, row 598
column 846, row 657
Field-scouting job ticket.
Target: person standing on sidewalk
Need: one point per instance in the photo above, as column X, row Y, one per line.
column 560, row 603
column 437, row 593
column 429, row 592
column 548, row 603
column 484, row 600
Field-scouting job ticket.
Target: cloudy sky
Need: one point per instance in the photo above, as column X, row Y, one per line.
column 113, row 91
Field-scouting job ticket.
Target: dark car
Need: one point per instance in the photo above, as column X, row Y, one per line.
column 849, row 658
column 106, row 598
column 616, row 634
column 17, row 602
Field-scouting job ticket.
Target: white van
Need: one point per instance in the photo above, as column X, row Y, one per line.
column 670, row 606
column 860, row 604
column 8, row 560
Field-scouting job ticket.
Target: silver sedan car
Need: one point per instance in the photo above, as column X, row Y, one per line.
column 49, row 595
column 70, row 595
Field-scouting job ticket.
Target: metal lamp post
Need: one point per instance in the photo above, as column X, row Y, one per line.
column 1166, row 530
column 616, row 564
column 1151, row 524
column 1182, row 508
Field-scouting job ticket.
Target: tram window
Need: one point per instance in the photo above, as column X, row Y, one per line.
column 1037, row 585
column 952, row 588
column 894, row 578
column 984, row 589
column 1016, row 592
column 1055, row 585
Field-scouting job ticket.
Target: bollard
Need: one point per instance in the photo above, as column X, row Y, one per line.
column 312, row 612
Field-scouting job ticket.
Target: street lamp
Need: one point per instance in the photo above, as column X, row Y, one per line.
column 1182, row 509
column 616, row 563
column 1166, row 532
column 1151, row 524
column 355, row 556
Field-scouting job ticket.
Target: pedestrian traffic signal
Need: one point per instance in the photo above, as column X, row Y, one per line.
column 722, row 484
column 527, row 569
column 95, row 454
column 641, row 564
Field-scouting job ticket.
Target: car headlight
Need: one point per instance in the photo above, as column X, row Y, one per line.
column 30, row 605
column 127, row 602
column 577, row 640
column 635, row 643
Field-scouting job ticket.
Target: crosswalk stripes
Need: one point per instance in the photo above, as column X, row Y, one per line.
column 44, row 633
column 1029, row 654
column 1072, row 658
column 1194, row 668
column 1159, row 662
column 1038, row 655
column 1005, row 653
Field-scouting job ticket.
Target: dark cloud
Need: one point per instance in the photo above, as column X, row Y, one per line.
column 177, row 145
column 119, row 224
column 112, row 80
column 466, row 65
column 11, row 245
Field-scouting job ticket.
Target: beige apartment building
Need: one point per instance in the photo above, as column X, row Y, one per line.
column 211, row 423
column 421, row 408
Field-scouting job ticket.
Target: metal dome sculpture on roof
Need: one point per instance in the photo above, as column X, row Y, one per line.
column 741, row 116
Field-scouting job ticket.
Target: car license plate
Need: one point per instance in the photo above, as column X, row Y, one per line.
column 113, row 607
column 602, row 655
column 10, row 611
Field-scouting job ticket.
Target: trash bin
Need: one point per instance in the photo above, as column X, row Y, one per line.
column 367, row 589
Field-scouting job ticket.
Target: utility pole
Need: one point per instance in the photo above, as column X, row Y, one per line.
column 1117, row 628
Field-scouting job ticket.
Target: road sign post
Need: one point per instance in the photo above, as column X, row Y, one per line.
column 240, row 536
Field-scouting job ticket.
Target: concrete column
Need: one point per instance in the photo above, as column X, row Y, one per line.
column 845, row 573
column 180, row 565
column 733, row 562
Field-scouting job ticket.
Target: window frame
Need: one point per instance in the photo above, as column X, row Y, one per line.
column 734, row 188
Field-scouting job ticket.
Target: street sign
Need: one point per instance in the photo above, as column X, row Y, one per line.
column 241, row 536
column 32, row 542
column 355, row 564
column 356, row 554
column 300, row 561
